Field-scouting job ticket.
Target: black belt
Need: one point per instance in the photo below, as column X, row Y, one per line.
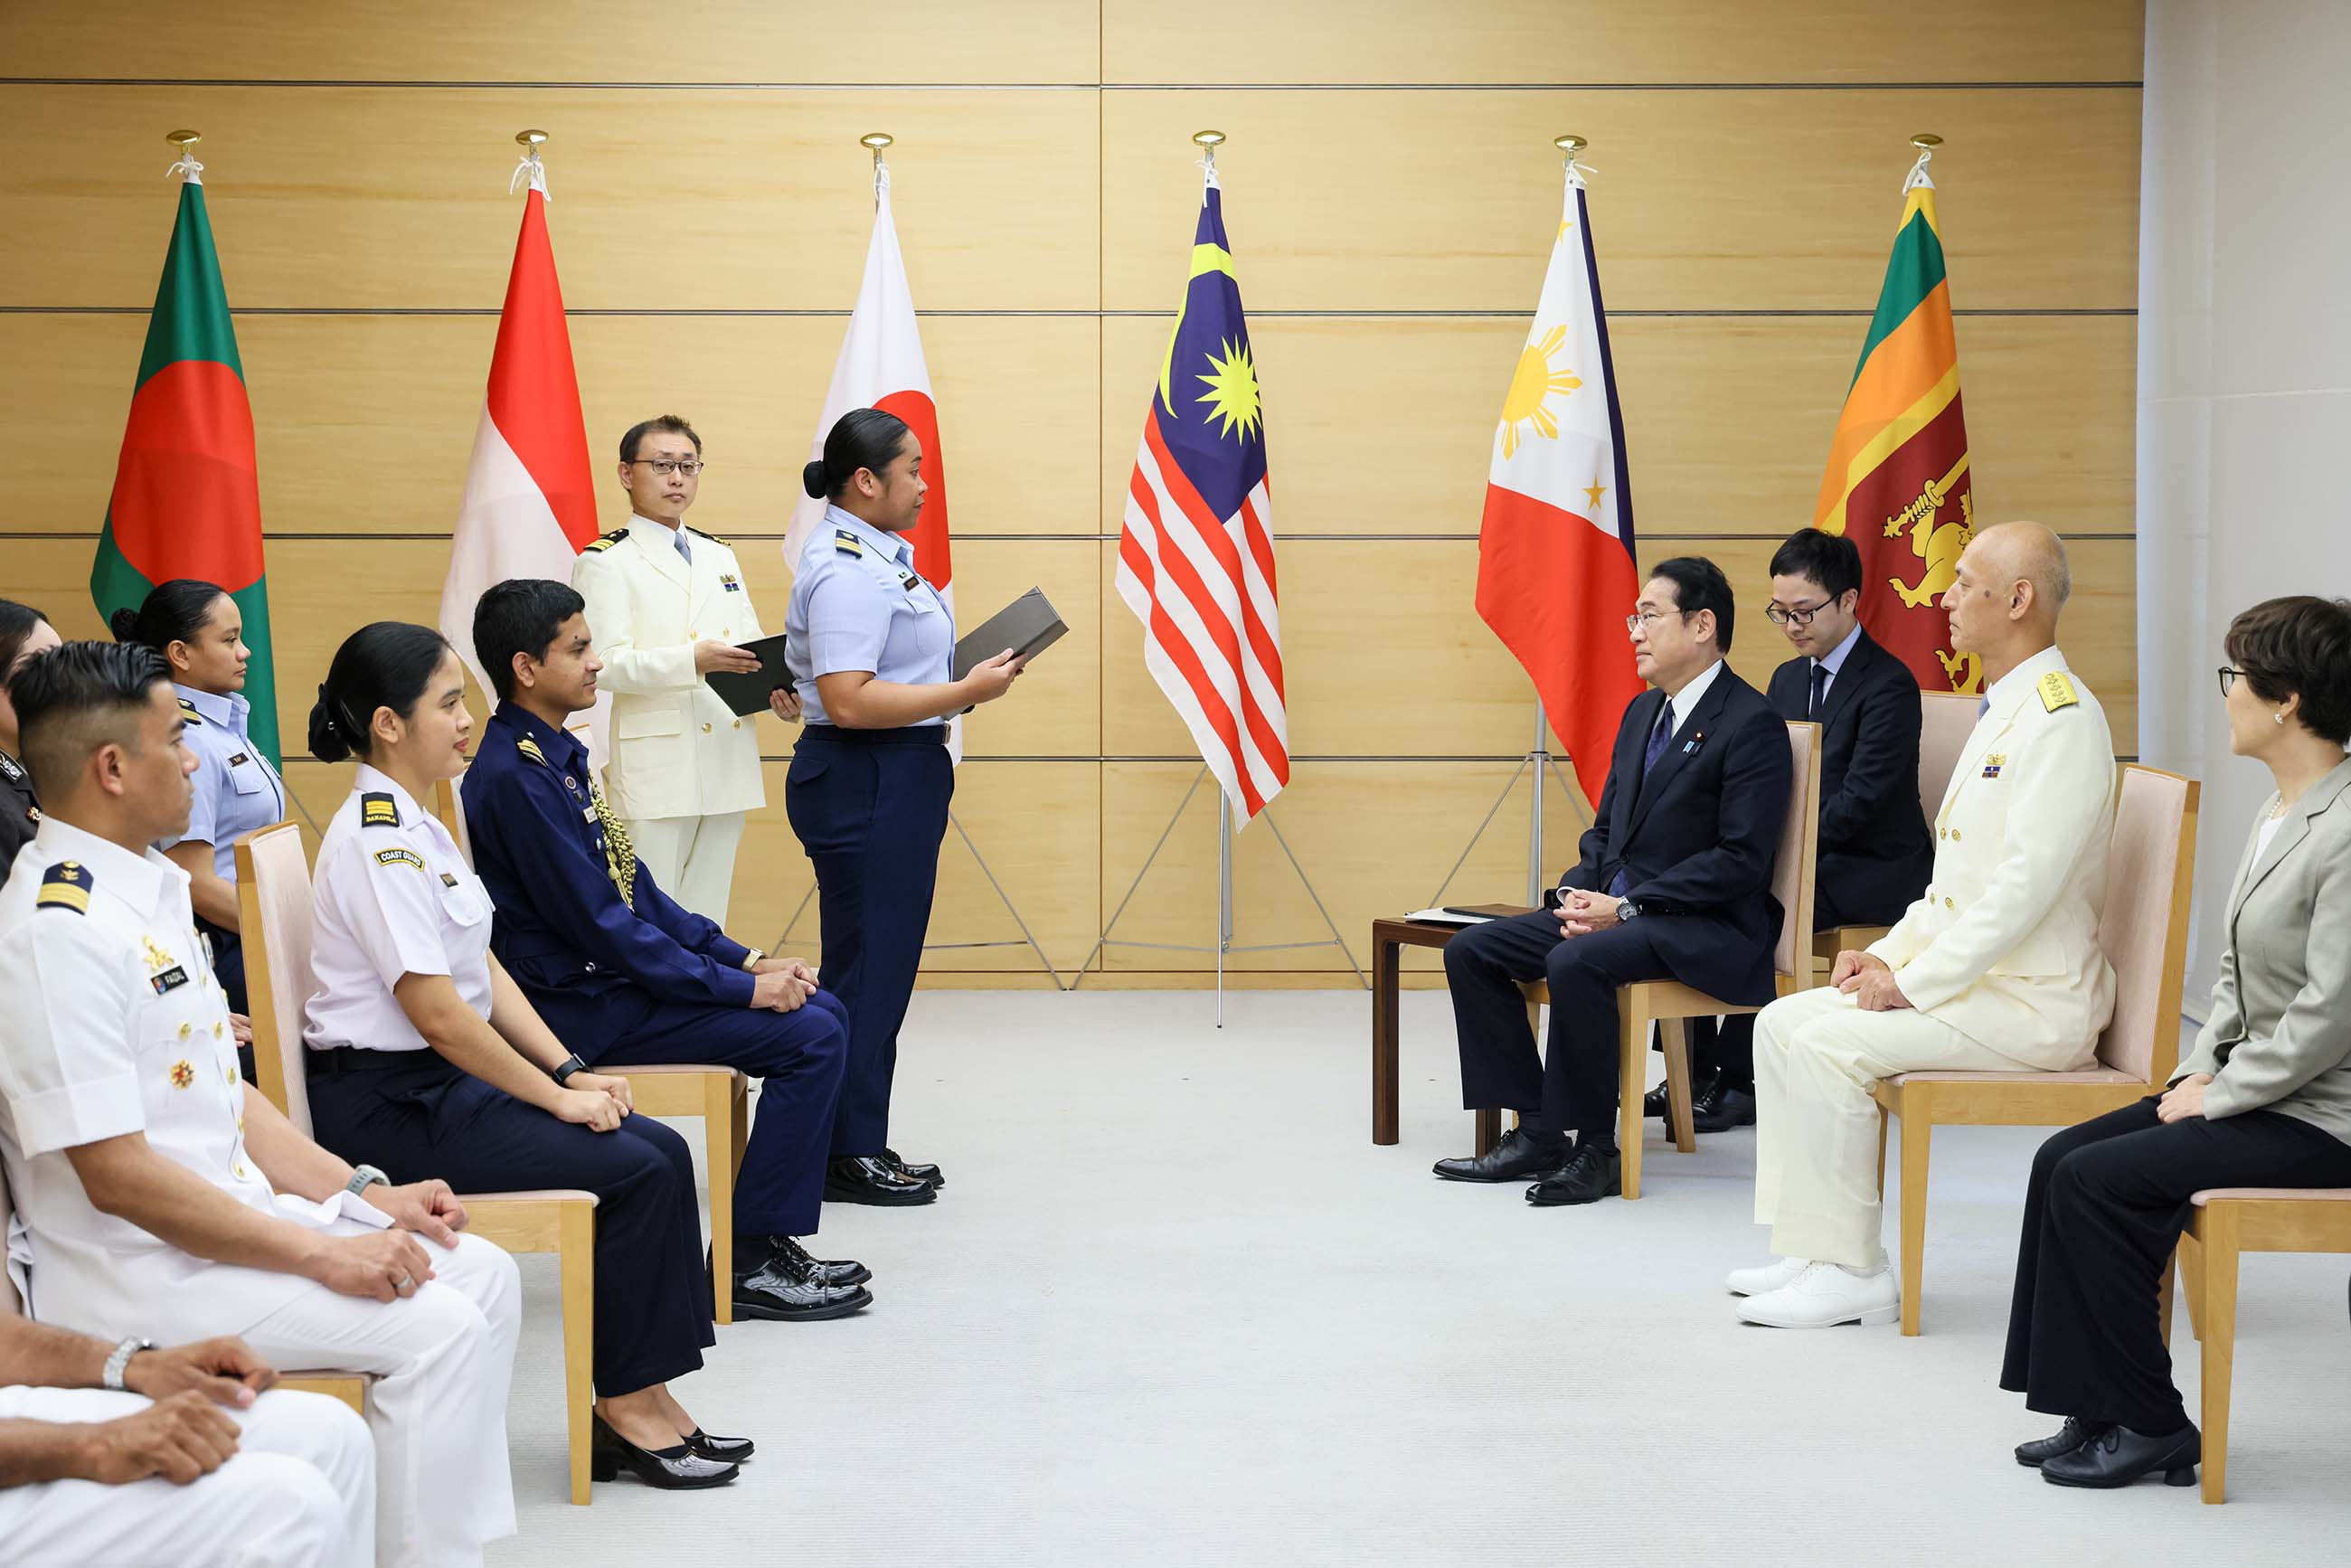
column 343, row 1059
column 911, row 734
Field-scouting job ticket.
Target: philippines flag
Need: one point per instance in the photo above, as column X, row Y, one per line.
column 882, row 366
column 530, row 506
column 1555, row 565
column 1195, row 555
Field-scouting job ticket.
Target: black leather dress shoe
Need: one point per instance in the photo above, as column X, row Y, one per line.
column 919, row 1173
column 868, row 1178
column 1513, row 1158
column 725, row 1450
column 1593, row 1174
column 2118, row 1456
column 793, row 1261
column 1654, row 1103
column 771, row 1291
column 678, row 1469
column 2065, row 1440
column 1721, row 1108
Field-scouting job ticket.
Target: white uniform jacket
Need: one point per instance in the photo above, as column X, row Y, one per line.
column 677, row 750
column 2003, row 946
column 111, row 1022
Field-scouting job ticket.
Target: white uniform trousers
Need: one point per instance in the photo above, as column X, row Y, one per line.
column 441, row 1359
column 1816, row 1056
column 691, row 858
column 300, row 1493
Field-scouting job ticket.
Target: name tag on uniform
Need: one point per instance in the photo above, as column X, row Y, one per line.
column 239, row 760
column 587, row 813
column 448, row 881
column 170, row 979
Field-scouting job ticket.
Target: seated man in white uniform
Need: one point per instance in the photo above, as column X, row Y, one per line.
column 151, row 1182
column 1997, row 968
column 107, row 1450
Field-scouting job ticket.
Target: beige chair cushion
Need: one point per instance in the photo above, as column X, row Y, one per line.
column 2022, row 1075
column 2142, row 873
column 281, row 884
column 1946, row 719
column 1788, row 866
column 2276, row 1194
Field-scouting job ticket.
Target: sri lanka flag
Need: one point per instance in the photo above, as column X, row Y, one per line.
column 1195, row 555
column 1555, row 565
column 1898, row 483
column 186, row 500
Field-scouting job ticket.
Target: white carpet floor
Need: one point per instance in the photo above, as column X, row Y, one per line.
column 1176, row 1307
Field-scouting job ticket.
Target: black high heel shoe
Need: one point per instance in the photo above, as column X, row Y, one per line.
column 679, row 1468
column 725, row 1450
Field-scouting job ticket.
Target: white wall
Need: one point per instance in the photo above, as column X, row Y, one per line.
column 2244, row 375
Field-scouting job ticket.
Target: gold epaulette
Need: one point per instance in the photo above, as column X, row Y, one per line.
column 848, row 543
column 189, row 709
column 377, row 810
column 608, row 541
column 714, row 538
column 2057, row 690
column 530, row 748
column 65, row 887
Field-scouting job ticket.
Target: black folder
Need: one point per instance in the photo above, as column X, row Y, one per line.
column 747, row 693
column 1027, row 626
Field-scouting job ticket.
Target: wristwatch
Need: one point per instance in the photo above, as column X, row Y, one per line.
column 120, row 1361
column 364, row 1178
column 751, row 957
column 567, row 1067
column 1626, row 909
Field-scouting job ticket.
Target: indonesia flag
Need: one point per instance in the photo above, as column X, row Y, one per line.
column 880, row 366
column 1555, row 565
column 530, row 504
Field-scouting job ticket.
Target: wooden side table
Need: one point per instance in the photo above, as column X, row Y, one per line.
column 1389, row 938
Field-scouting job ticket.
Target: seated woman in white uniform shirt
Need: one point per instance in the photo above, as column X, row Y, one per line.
column 424, row 1057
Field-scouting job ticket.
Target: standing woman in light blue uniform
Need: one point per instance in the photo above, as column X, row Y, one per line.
column 200, row 632
column 871, row 652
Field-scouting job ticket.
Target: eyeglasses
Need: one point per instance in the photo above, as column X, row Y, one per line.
column 1639, row 618
column 665, row 467
column 1794, row 615
column 2228, row 678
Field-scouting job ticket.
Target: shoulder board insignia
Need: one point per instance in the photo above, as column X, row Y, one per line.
column 377, row 810
column 530, row 748
column 66, row 886
column 848, row 543
column 714, row 538
column 8, row 769
column 608, row 540
column 400, row 857
column 189, row 709
column 2057, row 690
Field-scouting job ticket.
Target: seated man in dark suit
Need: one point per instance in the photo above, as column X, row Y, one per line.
column 1876, row 851
column 1675, row 884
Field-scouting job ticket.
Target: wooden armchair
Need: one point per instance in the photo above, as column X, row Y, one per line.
column 272, row 891
column 2151, row 864
column 1946, row 719
column 1668, row 1003
column 719, row 1096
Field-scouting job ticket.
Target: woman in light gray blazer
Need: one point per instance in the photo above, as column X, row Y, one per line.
column 2264, row 1101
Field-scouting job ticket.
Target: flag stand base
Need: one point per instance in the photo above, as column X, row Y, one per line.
column 1541, row 762
column 1027, row 940
column 1224, row 944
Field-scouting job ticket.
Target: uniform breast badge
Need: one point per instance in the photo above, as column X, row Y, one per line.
column 1994, row 763
column 727, row 581
column 183, row 1072
column 66, row 886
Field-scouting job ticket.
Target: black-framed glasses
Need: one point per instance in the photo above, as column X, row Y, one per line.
column 2228, row 677
column 665, row 467
column 1793, row 615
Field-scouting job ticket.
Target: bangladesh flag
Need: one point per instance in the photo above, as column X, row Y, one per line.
column 186, row 502
column 1898, row 482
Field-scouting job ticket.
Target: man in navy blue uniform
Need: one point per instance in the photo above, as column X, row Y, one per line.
column 1675, row 884
column 623, row 974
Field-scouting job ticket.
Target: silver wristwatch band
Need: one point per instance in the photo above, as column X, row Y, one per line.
column 118, row 1363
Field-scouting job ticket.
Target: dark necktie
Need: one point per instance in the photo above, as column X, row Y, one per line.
column 1819, row 688
column 1659, row 738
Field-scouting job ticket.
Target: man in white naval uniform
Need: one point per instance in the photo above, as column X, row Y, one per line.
column 107, row 1449
column 1996, row 966
column 157, row 1192
column 667, row 605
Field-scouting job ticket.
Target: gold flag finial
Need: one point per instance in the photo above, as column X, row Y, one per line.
column 183, row 140
column 1210, row 140
column 1571, row 145
column 874, row 141
column 530, row 141
column 1925, row 141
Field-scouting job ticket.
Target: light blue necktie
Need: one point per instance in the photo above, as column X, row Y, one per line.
column 684, row 554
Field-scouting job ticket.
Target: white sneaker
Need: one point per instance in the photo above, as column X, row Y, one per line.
column 1764, row 1280
column 1825, row 1295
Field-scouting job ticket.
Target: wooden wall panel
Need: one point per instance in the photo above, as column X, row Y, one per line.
column 1381, row 425
column 365, row 423
column 580, row 41
column 1518, row 41
column 1448, row 200
column 687, row 200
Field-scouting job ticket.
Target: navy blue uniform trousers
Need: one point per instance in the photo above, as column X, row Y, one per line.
column 779, row 1191
column 2103, row 1216
column 870, row 808
column 1573, row 1086
column 415, row 1116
